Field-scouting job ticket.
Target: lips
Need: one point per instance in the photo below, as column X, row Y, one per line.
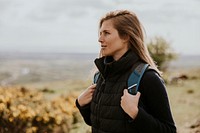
column 103, row 46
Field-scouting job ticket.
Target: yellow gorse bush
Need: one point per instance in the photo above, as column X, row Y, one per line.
column 28, row 111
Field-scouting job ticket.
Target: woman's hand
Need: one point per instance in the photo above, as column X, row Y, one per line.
column 129, row 103
column 86, row 96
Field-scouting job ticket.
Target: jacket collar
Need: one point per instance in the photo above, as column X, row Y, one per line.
column 107, row 65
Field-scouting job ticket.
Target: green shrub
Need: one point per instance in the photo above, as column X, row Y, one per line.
column 161, row 51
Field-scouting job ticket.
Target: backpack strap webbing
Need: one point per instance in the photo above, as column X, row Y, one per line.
column 134, row 78
column 96, row 76
column 136, row 75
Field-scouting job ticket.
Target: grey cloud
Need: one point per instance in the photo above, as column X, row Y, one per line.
column 57, row 23
column 4, row 4
column 170, row 12
column 50, row 10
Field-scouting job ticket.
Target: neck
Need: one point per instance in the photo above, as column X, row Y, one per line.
column 118, row 56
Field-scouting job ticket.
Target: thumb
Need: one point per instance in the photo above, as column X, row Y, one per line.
column 138, row 94
column 125, row 91
column 93, row 86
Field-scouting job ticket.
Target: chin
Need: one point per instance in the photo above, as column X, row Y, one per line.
column 105, row 53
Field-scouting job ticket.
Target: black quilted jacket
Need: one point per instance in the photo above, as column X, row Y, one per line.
column 105, row 115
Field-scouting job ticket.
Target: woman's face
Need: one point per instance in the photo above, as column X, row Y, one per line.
column 111, row 43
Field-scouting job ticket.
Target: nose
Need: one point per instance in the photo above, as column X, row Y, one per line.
column 100, row 39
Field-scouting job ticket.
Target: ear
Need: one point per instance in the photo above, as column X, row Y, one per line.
column 126, row 38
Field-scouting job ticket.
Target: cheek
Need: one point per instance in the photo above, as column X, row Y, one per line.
column 112, row 41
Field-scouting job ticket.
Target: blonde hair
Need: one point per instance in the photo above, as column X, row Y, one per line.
column 128, row 25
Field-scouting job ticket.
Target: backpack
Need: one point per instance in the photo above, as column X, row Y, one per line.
column 134, row 78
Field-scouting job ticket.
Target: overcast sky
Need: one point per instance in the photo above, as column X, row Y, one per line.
column 72, row 25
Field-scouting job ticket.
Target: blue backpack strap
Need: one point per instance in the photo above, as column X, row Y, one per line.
column 135, row 77
column 96, row 76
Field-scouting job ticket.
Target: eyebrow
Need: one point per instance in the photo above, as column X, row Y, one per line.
column 104, row 31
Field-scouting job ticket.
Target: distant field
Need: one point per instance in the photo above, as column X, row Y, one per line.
column 37, row 68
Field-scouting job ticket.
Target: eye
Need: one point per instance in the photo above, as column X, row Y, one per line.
column 106, row 33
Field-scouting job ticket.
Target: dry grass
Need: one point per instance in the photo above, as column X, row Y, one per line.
column 185, row 100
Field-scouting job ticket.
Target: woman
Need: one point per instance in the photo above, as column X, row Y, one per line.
column 107, row 106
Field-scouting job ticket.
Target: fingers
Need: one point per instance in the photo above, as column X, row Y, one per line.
column 93, row 86
column 129, row 103
column 86, row 96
